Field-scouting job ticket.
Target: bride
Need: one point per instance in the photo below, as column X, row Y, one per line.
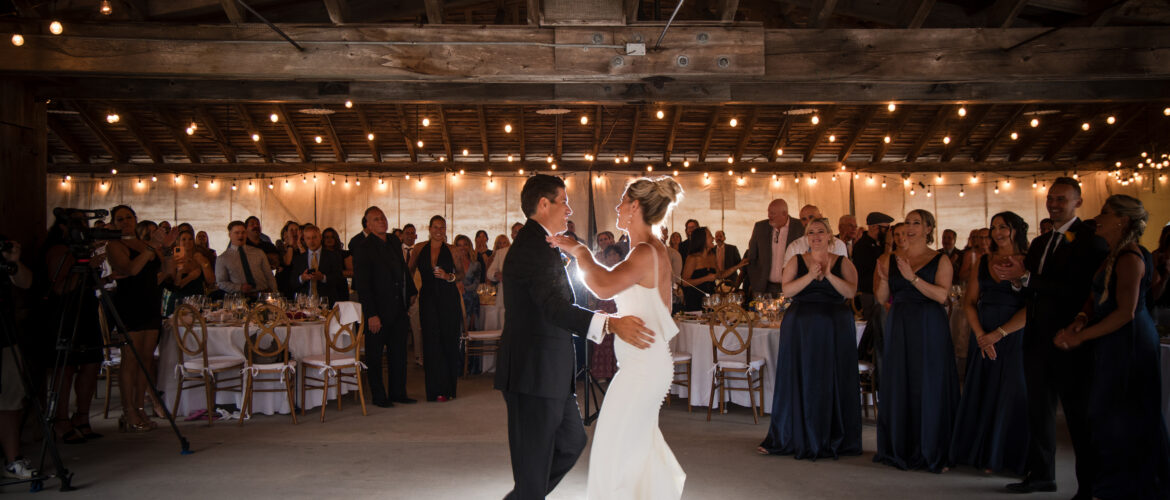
column 630, row 459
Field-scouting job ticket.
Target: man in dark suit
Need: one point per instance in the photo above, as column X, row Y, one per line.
column 867, row 249
column 535, row 362
column 684, row 248
column 318, row 271
column 769, row 241
column 726, row 257
column 1057, row 278
column 384, row 288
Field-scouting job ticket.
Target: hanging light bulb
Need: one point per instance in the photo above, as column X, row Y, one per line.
column 255, row 137
column 584, row 119
column 419, row 143
column 1085, row 126
column 938, row 178
column 347, row 181
column 554, row 166
column 796, row 179
column 234, row 186
column 649, row 168
column 154, row 178
column 113, row 118
column 317, row 139
column 190, row 131
column 730, row 160
column 883, row 182
column 962, row 111
column 196, row 183
column 675, row 174
column 508, row 128
column 370, row 136
column 509, row 157
column 974, row 178
column 274, row 118
column 348, row 103
column 407, row 177
column 832, row 138
column 17, row 39
column 269, row 184
column 465, row 152
column 1166, row 111
column 661, row 114
column 996, row 187
column 947, row 140
column 251, row 186
column 113, row 171
column 139, row 182
column 928, row 192
column 686, row 163
column 357, row 181
column 733, row 122
column 886, row 139
column 961, row 193
column 779, row 151
column 753, row 170
column 176, row 178
column 332, row 181
column 911, row 191
column 1034, row 184
column 891, row 106
column 906, row 181
column 815, row 119
column 1015, row 135
column 1111, row 120
column 426, row 122
column 1034, row 123
column 730, row 173
column 520, row 171
column 286, row 183
column 1007, row 183
column 55, row 27
column 834, row 178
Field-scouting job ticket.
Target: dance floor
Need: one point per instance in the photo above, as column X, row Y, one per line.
column 459, row 450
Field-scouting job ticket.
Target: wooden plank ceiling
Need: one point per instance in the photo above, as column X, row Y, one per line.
column 154, row 136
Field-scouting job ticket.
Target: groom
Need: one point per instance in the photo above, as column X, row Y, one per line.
column 536, row 362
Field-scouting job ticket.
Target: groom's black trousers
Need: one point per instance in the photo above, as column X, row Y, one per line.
column 545, row 438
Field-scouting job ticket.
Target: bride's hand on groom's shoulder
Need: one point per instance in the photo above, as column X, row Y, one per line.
column 562, row 242
column 631, row 330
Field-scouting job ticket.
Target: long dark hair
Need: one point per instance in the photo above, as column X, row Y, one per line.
column 336, row 237
column 699, row 240
column 1019, row 231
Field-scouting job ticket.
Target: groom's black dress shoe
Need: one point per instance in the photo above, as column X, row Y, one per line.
column 383, row 404
column 1029, row 486
column 405, row 401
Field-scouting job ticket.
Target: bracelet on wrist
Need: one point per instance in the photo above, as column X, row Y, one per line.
column 1002, row 333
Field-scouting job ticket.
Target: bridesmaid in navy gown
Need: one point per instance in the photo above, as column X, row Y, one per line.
column 920, row 387
column 992, row 428
column 816, row 412
column 1128, row 433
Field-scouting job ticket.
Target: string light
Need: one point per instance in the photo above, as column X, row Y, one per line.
column 753, row 170
column 554, row 166
column 891, row 106
column 269, row 184
column 332, row 180
column 190, row 131
column 1166, row 111
column 883, row 182
column 947, row 140
column 465, row 152
column 796, row 178
column 1111, row 120
column 357, row 181
column 548, row 159
column 113, row 118
column 383, row 181
column 832, row 138
column 961, row 193
column 370, row 136
column 318, row 140
column 938, row 178
column 974, row 178
column 676, row 173
column 348, row 103
column 906, row 181
column 779, row 151
column 1085, row 126
column 730, row 160
column 509, row 157
column 962, row 111
column 56, row 28
column 17, row 39
column 176, row 178
column 1007, row 183
column 834, row 178
column 255, row 137
column 649, row 168
column 996, row 187
column 686, row 163
column 196, row 183
column 661, row 114
column 1034, row 184
column 520, row 171
column 730, row 173
column 407, row 177
column 584, row 119
column 286, row 183
column 304, row 180
column 113, row 171
column 869, row 179
column 426, row 122
column 815, row 119
column 62, row 182
column 886, row 139
column 139, row 182
column 733, row 122
column 273, row 118
column 1034, row 123
column 419, row 143
column 911, row 191
column 928, row 192
column 1015, row 135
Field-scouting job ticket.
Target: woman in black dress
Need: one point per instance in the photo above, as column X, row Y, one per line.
column 1126, row 427
column 193, row 272
column 440, row 313
column 815, row 409
column 699, row 270
column 331, row 241
column 289, row 246
column 140, row 268
column 920, row 385
column 991, row 431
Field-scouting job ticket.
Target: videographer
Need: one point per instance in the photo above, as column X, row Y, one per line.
column 83, row 362
column 142, row 267
column 13, row 275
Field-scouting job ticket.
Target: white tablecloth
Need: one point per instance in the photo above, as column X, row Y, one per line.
column 304, row 340
column 695, row 338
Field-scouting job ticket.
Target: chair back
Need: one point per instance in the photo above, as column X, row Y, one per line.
column 190, row 333
column 262, row 338
column 342, row 337
column 725, row 336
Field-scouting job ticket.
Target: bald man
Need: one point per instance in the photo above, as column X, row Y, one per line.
column 809, row 213
column 767, row 246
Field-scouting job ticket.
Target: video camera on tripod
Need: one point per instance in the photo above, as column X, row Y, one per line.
column 78, row 233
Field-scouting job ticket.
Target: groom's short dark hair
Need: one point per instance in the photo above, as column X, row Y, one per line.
column 537, row 187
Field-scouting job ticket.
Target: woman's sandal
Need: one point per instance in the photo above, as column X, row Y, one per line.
column 87, row 431
column 73, row 436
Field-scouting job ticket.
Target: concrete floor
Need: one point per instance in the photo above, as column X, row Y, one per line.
column 459, row 450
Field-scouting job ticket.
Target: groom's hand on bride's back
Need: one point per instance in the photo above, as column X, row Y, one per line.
column 632, row 330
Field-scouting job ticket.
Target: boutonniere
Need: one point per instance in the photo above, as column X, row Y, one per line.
column 1070, row 236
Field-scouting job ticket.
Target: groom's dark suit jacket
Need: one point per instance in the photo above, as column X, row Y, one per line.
column 536, row 348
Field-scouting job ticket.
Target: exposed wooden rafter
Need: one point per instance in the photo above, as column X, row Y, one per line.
column 338, row 11
column 178, row 132
column 745, row 135
column 827, row 115
column 1107, row 133
column 95, row 127
column 434, row 11
column 857, row 132
column 940, row 117
column 634, row 134
column 974, row 117
column 375, row 145
column 1004, row 129
column 129, row 121
column 560, row 141
column 404, row 129
column 781, row 134
column 727, row 9
column 712, row 125
column 294, row 136
column 483, row 138
column 1030, row 136
column 671, row 133
column 71, row 143
column 221, row 139
column 520, row 135
column 334, row 140
column 919, row 12
column 597, row 114
column 446, row 129
column 895, row 129
column 1003, row 13
column 234, row 13
column 250, row 128
column 822, row 11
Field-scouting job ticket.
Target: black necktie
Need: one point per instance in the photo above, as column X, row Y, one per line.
column 1051, row 249
column 247, row 269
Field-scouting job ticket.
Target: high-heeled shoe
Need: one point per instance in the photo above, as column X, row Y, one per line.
column 124, row 426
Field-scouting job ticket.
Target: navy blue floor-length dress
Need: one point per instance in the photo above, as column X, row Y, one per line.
column 991, row 430
column 920, row 386
column 816, row 410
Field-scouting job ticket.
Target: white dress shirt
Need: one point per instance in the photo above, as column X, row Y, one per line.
column 597, row 324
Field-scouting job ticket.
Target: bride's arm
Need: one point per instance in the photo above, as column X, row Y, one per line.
column 605, row 282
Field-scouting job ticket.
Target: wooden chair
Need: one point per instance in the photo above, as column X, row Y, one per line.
column 262, row 343
column 865, row 372
column 111, row 360
column 478, row 344
column 734, row 362
column 682, row 376
column 342, row 353
column 198, row 369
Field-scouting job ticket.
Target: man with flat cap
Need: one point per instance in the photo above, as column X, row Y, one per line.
column 866, row 251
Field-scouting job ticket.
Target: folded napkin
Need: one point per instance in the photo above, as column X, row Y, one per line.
column 348, row 312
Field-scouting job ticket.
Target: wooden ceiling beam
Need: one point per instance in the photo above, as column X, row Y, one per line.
column 712, row 124
column 560, row 139
column 483, row 138
column 251, row 128
column 71, row 143
column 920, row 11
column 294, row 135
column 932, row 128
column 727, row 9
column 534, row 13
column 446, row 129
column 1067, row 132
column 672, row 132
column 781, row 134
column 974, row 117
column 221, row 139
column 520, row 135
column 631, row 10
column 1029, row 137
column 332, row 137
column 131, row 123
column 375, row 145
column 746, row 134
column 857, row 132
column 434, row 11
column 1003, row 13
column 245, row 170
column 1107, row 133
column 339, row 11
column 822, row 11
column 597, row 114
column 826, row 115
column 634, row 133
column 178, row 132
column 892, row 133
column 404, row 129
column 94, row 125
column 233, row 11
column 1004, row 129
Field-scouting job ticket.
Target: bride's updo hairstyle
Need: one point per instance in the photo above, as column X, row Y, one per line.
column 657, row 196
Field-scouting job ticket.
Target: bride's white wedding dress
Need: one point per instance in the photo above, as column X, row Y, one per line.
column 630, row 459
